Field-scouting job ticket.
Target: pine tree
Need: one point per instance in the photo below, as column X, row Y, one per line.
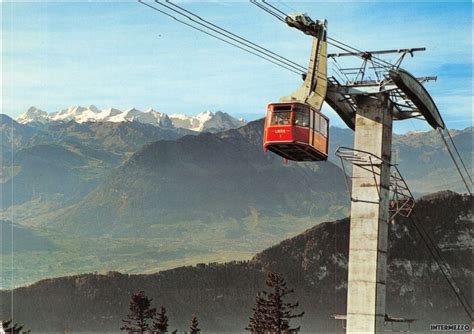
column 271, row 314
column 280, row 312
column 161, row 323
column 259, row 320
column 140, row 314
column 194, row 329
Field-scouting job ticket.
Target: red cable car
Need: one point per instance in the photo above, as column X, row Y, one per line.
column 295, row 128
column 296, row 132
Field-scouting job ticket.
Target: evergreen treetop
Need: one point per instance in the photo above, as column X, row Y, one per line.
column 271, row 314
column 160, row 325
column 194, row 329
column 140, row 314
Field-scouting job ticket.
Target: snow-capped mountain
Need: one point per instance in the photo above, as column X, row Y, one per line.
column 221, row 121
column 207, row 121
column 33, row 114
column 203, row 122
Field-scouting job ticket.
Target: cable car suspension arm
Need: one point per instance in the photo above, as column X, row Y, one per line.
column 314, row 88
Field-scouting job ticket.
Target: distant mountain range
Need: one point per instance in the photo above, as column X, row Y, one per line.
column 206, row 121
column 61, row 159
column 314, row 263
column 229, row 166
column 171, row 196
column 176, row 199
column 421, row 157
column 207, row 178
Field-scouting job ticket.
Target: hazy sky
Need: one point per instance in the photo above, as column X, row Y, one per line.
column 123, row 54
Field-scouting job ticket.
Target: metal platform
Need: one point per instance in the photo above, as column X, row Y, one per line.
column 389, row 323
column 401, row 199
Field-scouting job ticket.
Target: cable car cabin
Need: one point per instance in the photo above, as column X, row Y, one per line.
column 296, row 132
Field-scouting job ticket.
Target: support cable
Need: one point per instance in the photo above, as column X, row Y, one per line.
column 360, row 52
column 346, row 48
column 275, row 8
column 245, row 41
column 343, row 46
column 219, row 38
column 443, row 266
column 219, row 32
column 459, row 155
column 297, row 68
column 336, row 64
column 268, row 10
column 440, row 131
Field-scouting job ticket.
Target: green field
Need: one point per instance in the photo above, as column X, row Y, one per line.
column 164, row 247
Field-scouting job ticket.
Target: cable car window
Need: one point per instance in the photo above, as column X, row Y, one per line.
column 301, row 117
column 282, row 108
column 281, row 118
column 324, row 127
column 316, row 122
column 268, row 117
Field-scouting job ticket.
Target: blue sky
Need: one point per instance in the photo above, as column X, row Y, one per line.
column 123, row 54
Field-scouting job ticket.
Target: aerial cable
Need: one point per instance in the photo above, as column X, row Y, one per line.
column 329, row 38
column 387, row 64
column 275, row 8
column 217, row 37
column 375, row 60
column 446, row 144
column 374, row 68
column 457, row 152
column 339, row 71
column 279, row 17
column 268, row 10
column 356, row 52
column 297, row 68
column 345, row 47
column 259, row 48
column 440, row 131
column 443, row 266
column 379, row 62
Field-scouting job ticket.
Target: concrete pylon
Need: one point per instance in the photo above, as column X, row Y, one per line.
column 369, row 217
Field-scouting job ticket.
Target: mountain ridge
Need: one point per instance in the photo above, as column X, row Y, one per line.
column 205, row 177
column 109, row 184
column 206, row 121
